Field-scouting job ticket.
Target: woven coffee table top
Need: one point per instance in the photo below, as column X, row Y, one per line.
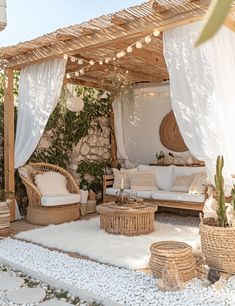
column 130, row 208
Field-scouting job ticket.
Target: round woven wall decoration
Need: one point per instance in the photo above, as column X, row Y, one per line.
column 170, row 134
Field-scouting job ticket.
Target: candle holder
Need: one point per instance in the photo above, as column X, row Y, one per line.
column 121, row 197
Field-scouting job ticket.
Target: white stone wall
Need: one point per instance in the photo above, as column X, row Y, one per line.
column 95, row 146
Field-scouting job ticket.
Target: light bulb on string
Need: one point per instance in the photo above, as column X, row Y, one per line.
column 138, row 45
column 80, row 61
column 65, row 56
column 68, row 76
column 100, row 62
column 81, row 71
column 114, row 58
column 129, row 49
column 73, row 59
column 156, row 33
column 77, row 73
column 91, row 62
column 107, row 60
column 147, row 39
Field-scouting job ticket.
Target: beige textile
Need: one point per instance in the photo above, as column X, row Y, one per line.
column 122, row 174
column 199, row 182
column 51, row 183
column 183, row 183
column 143, row 181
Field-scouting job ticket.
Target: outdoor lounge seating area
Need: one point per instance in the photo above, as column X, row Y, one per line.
column 190, row 194
column 118, row 180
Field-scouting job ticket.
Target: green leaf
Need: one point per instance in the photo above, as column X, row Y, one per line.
column 215, row 17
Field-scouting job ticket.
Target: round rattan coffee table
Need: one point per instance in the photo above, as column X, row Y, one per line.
column 128, row 219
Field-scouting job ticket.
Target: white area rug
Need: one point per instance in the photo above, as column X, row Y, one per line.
column 86, row 238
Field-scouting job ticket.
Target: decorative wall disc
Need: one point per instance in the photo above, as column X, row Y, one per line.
column 170, row 134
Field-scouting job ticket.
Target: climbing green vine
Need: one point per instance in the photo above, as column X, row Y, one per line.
column 68, row 128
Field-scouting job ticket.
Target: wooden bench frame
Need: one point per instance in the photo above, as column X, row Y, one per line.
column 197, row 206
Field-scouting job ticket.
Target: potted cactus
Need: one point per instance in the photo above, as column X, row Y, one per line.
column 217, row 235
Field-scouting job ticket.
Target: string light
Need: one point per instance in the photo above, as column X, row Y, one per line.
column 147, row 39
column 68, row 76
column 129, row 49
column 65, row 56
column 156, row 33
column 138, row 44
column 77, row 73
column 107, row 60
column 80, row 61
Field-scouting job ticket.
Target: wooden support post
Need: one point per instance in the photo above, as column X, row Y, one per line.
column 9, row 171
column 113, row 142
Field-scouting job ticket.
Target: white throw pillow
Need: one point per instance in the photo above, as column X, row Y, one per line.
column 122, row 174
column 199, row 182
column 180, row 171
column 142, row 181
column 182, row 183
column 51, row 183
column 163, row 175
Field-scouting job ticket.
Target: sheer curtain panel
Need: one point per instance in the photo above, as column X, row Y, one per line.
column 39, row 90
column 203, row 93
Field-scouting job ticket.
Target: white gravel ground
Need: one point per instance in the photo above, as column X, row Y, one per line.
column 117, row 284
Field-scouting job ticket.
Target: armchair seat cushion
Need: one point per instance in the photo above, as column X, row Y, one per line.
column 57, row 200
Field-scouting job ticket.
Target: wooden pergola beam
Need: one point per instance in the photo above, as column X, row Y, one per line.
column 139, row 27
column 9, row 171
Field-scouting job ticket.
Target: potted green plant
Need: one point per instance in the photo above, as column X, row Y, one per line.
column 217, row 235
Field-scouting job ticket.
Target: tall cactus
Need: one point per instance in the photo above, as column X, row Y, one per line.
column 219, row 185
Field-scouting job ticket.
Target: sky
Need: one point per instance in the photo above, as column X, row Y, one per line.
column 28, row 19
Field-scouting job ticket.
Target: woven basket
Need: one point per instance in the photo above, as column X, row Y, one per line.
column 173, row 250
column 91, row 206
column 218, row 247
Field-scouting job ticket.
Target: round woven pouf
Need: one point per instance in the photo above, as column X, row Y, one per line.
column 172, row 250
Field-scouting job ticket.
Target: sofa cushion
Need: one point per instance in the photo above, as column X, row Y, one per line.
column 162, row 195
column 182, row 183
column 199, row 183
column 163, row 175
column 142, row 180
column 177, row 196
column 180, row 171
column 122, row 174
column 51, row 183
column 56, row 200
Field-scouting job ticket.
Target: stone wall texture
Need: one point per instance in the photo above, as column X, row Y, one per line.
column 95, row 146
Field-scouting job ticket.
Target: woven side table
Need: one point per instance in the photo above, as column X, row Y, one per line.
column 129, row 219
column 172, row 250
column 4, row 219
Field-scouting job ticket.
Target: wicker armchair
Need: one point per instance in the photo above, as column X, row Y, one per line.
column 44, row 215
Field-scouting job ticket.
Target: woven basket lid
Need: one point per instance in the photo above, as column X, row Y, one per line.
column 170, row 134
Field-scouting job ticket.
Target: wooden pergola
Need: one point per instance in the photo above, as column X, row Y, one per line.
column 95, row 39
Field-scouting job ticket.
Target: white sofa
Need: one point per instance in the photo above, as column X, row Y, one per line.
column 164, row 176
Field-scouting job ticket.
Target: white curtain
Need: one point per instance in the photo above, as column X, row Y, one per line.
column 119, row 128
column 39, row 89
column 202, row 82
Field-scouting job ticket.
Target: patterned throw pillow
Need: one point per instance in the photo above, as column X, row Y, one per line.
column 122, row 174
column 198, row 185
column 182, row 183
column 144, row 181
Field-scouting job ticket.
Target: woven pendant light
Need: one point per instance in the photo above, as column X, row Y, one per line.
column 75, row 104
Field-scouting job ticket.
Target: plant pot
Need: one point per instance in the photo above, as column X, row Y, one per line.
column 218, row 245
column 84, row 196
column 83, row 209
